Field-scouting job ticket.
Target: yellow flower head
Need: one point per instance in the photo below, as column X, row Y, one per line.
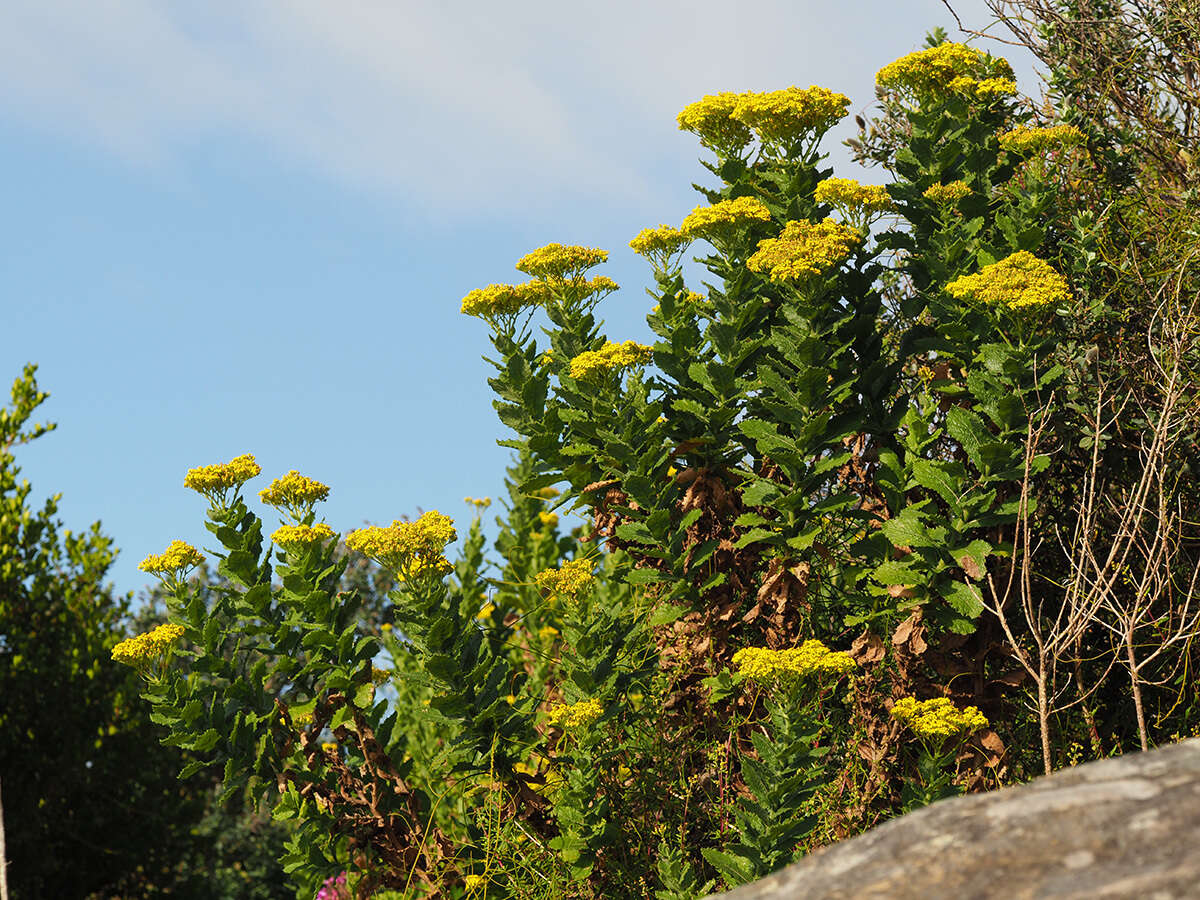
column 216, row 481
column 568, row 581
column 546, row 493
column 609, row 358
column 711, row 119
column 937, row 719
column 178, row 558
column 547, row 632
column 294, row 494
column 995, row 87
column 486, row 613
column 1027, row 141
column 558, row 261
column 783, row 117
column 144, row 649
column 1016, row 282
column 504, row 301
column 548, row 519
column 411, row 550
column 474, row 882
column 659, row 245
column 787, row 667
column 804, row 248
column 298, row 537
column 478, row 502
column 946, row 194
column 849, row 194
column 948, row 66
column 576, row 715
column 379, row 676
column 723, row 217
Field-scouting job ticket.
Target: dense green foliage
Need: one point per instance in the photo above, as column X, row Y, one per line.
column 92, row 802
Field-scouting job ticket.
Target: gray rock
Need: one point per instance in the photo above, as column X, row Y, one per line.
column 1125, row 827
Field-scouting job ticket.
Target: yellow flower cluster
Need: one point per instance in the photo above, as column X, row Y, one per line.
column 559, row 261
column 295, row 494
column 663, row 239
column 692, row 297
column 1018, row 281
column 547, row 633
column 379, row 676
column 945, row 194
column 723, row 217
column 985, row 89
column 609, row 358
column 576, row 715
column 144, row 649
column 943, row 67
column 546, row 493
column 297, row 536
column 478, row 502
column 659, row 244
column 712, row 120
column 1026, row 141
column 804, row 248
column 548, row 519
column 846, row 193
column 781, row 117
column 788, row 666
column 503, row 300
column 568, row 581
column 215, row 481
column 938, row 718
column 410, row 549
column 177, row 558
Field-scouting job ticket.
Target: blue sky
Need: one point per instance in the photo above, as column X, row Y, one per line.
column 247, row 227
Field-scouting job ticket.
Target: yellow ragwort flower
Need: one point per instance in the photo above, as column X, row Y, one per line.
column 724, row 217
column 546, row 493
column 214, row 482
column 1016, row 282
column 946, row 194
column 576, row 715
column 937, row 719
column 547, row 632
column 785, row 116
column 846, row 193
column 478, row 502
column 996, row 87
column 501, row 301
column 788, row 666
column 179, row 557
column 548, row 519
column 659, row 244
column 294, row 494
column 804, row 248
column 409, row 549
column 292, row 537
column 711, row 119
column 568, row 581
column 559, row 261
column 941, row 68
column 144, row 649
column 1026, row 141
column 609, row 358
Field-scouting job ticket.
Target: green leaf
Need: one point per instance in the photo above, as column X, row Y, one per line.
column 364, row 695
column 734, row 868
column 666, row 614
column 966, row 599
column 970, row 431
column 932, row 475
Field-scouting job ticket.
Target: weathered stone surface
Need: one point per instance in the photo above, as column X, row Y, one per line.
column 1125, row 827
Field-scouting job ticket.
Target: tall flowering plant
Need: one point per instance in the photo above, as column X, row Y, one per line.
column 796, row 499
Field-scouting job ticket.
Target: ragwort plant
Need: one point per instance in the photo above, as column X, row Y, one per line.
column 772, row 631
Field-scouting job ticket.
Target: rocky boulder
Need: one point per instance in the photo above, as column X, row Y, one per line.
column 1125, row 827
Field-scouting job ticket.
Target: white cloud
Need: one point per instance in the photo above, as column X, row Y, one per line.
column 440, row 103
